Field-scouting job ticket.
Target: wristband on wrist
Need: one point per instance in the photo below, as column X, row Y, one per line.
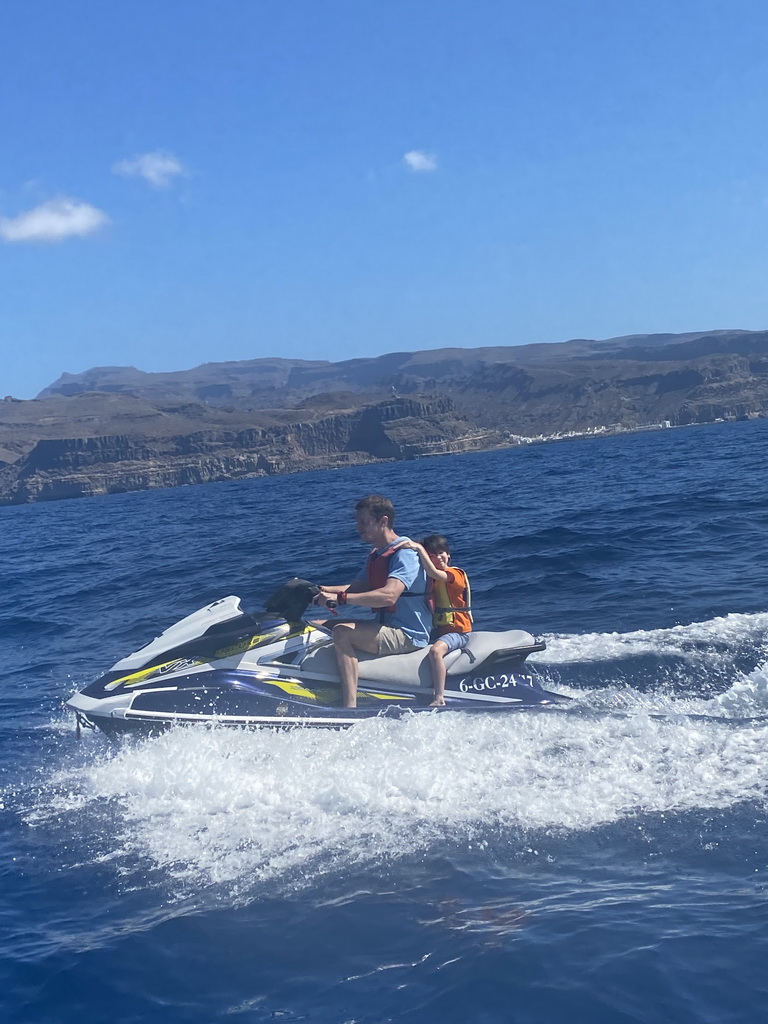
column 342, row 597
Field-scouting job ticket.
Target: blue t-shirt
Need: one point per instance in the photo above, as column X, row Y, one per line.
column 412, row 613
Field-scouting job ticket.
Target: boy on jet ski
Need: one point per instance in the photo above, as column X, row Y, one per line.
column 451, row 613
column 393, row 583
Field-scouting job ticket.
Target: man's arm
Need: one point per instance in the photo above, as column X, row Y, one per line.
column 354, row 587
column 381, row 598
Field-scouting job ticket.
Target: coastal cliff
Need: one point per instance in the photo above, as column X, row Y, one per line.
column 115, row 463
column 113, row 429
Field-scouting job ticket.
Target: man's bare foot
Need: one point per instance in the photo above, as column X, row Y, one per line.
column 438, row 702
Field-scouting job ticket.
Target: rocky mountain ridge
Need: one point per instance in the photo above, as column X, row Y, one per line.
column 273, row 383
column 117, row 428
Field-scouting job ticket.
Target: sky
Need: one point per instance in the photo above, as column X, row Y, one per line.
column 191, row 181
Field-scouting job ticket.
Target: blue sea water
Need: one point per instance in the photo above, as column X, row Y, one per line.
column 607, row 862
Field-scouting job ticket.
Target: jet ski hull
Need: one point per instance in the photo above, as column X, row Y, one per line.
column 230, row 699
column 221, row 667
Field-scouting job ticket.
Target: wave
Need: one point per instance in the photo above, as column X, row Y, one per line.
column 725, row 633
column 681, row 669
column 243, row 809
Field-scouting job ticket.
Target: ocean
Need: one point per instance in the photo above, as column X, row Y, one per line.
column 601, row 862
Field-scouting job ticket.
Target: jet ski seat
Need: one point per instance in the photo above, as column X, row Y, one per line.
column 412, row 671
column 403, row 670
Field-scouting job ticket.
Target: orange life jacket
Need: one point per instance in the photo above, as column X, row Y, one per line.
column 452, row 608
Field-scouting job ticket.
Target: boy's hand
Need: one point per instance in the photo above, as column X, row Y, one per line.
column 409, row 545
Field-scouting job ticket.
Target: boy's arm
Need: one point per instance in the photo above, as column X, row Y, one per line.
column 427, row 564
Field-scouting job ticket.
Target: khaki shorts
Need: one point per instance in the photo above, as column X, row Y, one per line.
column 395, row 641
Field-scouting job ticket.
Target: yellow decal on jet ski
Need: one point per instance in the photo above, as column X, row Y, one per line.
column 171, row 666
column 295, row 689
column 145, row 673
column 242, row 647
column 385, row 696
column 254, row 641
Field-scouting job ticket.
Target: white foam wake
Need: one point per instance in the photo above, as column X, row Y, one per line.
column 748, row 697
column 724, row 632
column 232, row 806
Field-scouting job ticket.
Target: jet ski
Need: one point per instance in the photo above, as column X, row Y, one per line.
column 223, row 666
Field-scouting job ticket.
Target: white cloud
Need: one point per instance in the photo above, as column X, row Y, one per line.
column 417, row 160
column 158, row 168
column 53, row 222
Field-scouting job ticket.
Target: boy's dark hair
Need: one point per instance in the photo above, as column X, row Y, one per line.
column 435, row 543
column 378, row 506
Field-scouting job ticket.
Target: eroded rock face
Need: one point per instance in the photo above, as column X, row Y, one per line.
column 117, row 428
column 115, row 463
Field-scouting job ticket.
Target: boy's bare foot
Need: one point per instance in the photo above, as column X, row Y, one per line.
column 438, row 702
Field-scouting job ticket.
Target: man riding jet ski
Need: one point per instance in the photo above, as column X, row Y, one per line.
column 223, row 666
column 392, row 584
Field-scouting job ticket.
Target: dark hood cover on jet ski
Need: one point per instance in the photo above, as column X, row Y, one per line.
column 290, row 600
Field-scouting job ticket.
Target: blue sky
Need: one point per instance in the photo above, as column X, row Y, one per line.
column 186, row 181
